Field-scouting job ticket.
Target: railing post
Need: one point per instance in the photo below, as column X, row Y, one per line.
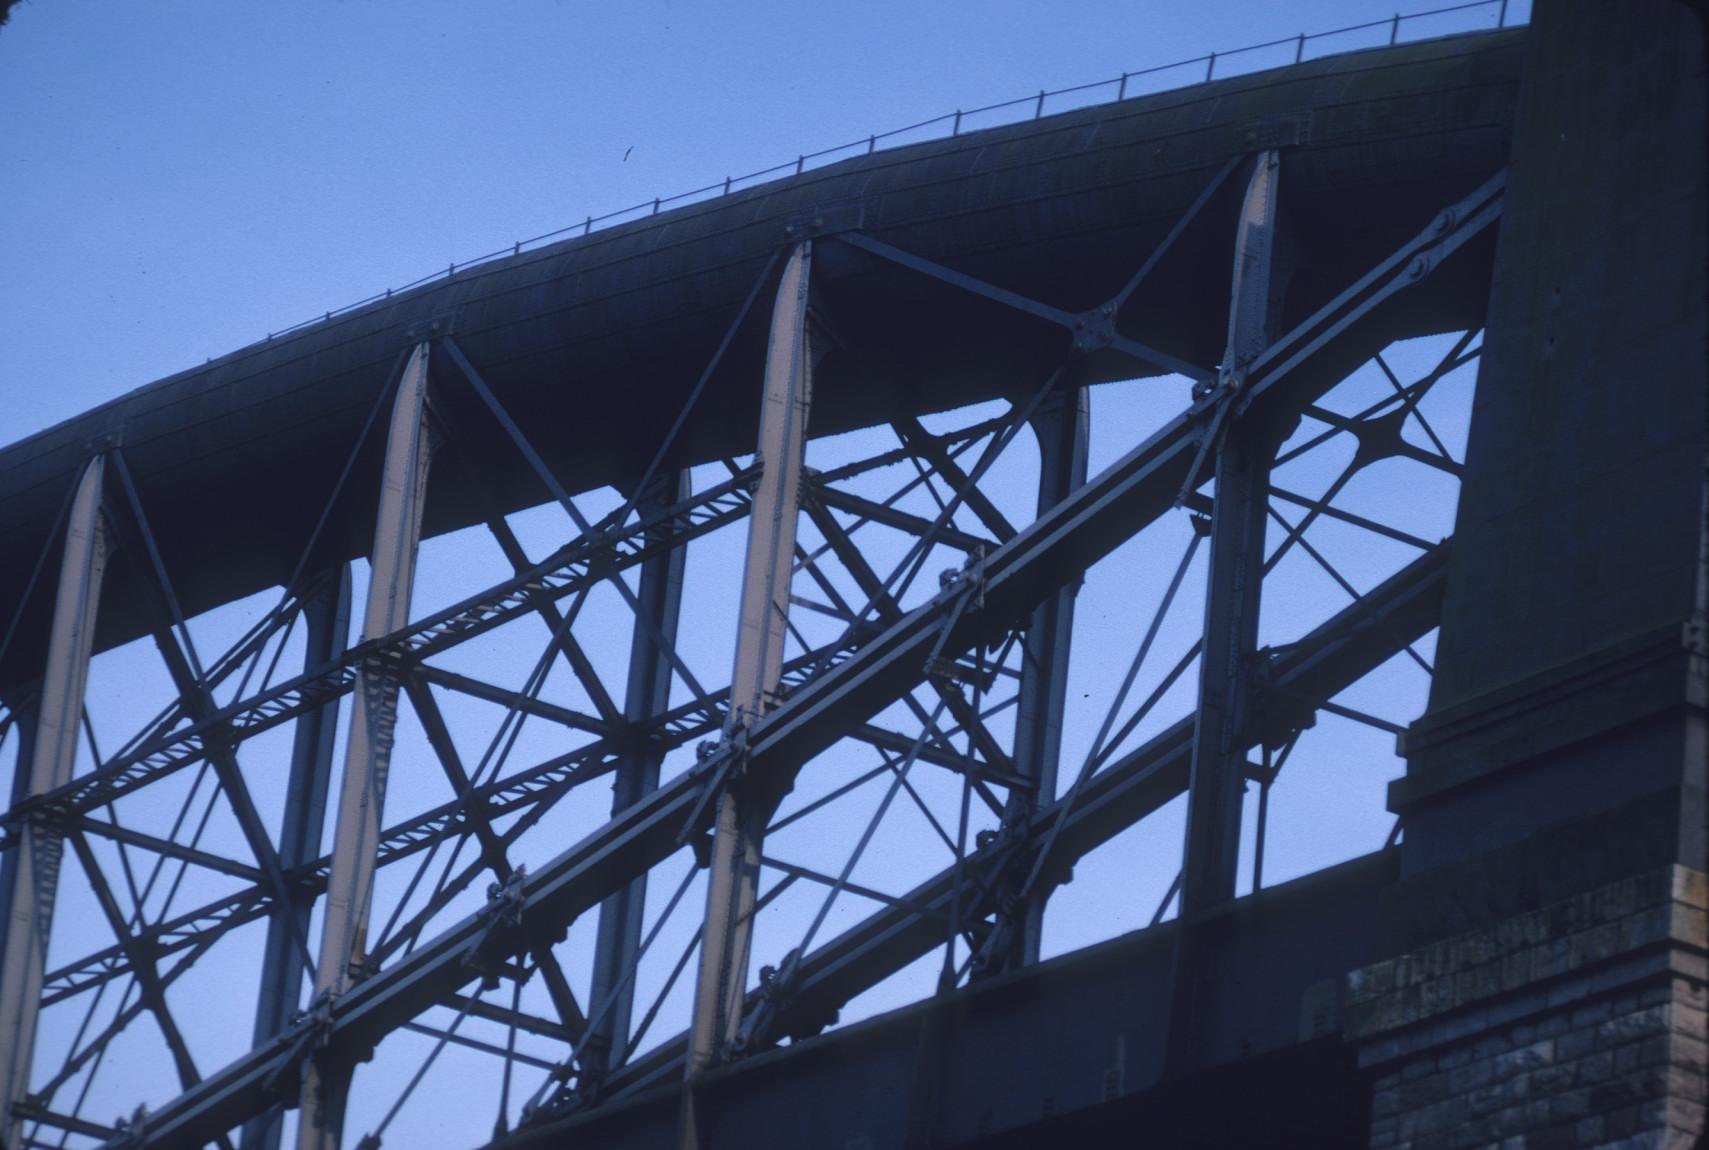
column 368, row 746
column 1394, row 29
column 1210, row 67
column 50, row 762
column 326, row 621
column 648, row 693
column 742, row 812
column 1217, row 781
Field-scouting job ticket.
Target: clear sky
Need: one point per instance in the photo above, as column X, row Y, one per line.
column 178, row 179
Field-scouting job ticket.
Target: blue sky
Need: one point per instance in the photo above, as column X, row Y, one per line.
column 181, row 178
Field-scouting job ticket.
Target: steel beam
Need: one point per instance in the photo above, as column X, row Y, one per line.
column 1085, row 527
column 743, row 809
column 1236, row 569
column 367, row 756
column 35, row 871
column 1062, row 433
column 23, row 707
column 1238, row 518
column 326, row 622
column 1321, row 663
column 590, row 559
column 647, row 695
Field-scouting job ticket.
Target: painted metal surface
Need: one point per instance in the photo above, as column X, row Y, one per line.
column 1238, row 520
column 327, row 620
column 368, row 746
column 1056, row 209
column 1239, row 516
column 612, row 993
column 1062, row 441
column 35, row 874
column 1087, row 525
column 743, row 810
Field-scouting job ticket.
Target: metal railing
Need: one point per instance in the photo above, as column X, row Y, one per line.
column 1455, row 19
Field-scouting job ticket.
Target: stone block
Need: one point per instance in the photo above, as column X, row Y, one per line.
column 1687, row 1021
column 1471, row 1076
column 1626, row 1059
column 1553, row 1079
column 1570, row 1106
column 1487, row 1099
column 1595, row 1068
column 1423, row 1068
column 1690, row 887
column 1631, row 1027
column 1575, row 1044
column 1687, row 1114
column 1621, row 1121
column 1524, row 1059
column 1592, row 1013
column 1552, row 1138
column 1691, row 1054
column 1414, row 1096
column 1455, row 1057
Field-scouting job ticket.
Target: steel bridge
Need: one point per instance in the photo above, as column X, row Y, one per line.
column 440, row 814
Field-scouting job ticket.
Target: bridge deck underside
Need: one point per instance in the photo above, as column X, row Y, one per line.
column 990, row 266
column 601, row 338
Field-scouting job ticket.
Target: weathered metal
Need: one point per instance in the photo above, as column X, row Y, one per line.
column 612, row 991
column 1013, row 579
column 1056, row 209
column 35, row 873
column 368, row 746
column 744, row 806
column 1049, row 255
column 326, row 616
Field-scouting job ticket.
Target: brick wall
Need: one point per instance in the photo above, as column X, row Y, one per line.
column 1578, row 1025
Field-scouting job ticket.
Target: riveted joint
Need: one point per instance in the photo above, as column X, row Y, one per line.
column 777, row 990
column 503, row 912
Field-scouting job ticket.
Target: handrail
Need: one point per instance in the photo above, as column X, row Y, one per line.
column 870, row 144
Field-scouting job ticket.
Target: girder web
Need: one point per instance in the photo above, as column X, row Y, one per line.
column 977, row 745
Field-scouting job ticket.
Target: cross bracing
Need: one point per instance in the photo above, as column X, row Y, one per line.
column 913, row 651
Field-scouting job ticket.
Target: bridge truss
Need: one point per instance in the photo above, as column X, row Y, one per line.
column 563, row 887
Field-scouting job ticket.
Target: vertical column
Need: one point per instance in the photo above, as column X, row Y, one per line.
column 1217, row 780
column 367, row 753
column 35, row 872
column 326, row 619
column 647, row 694
column 25, row 705
column 1236, row 573
column 742, row 813
column 1062, row 433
